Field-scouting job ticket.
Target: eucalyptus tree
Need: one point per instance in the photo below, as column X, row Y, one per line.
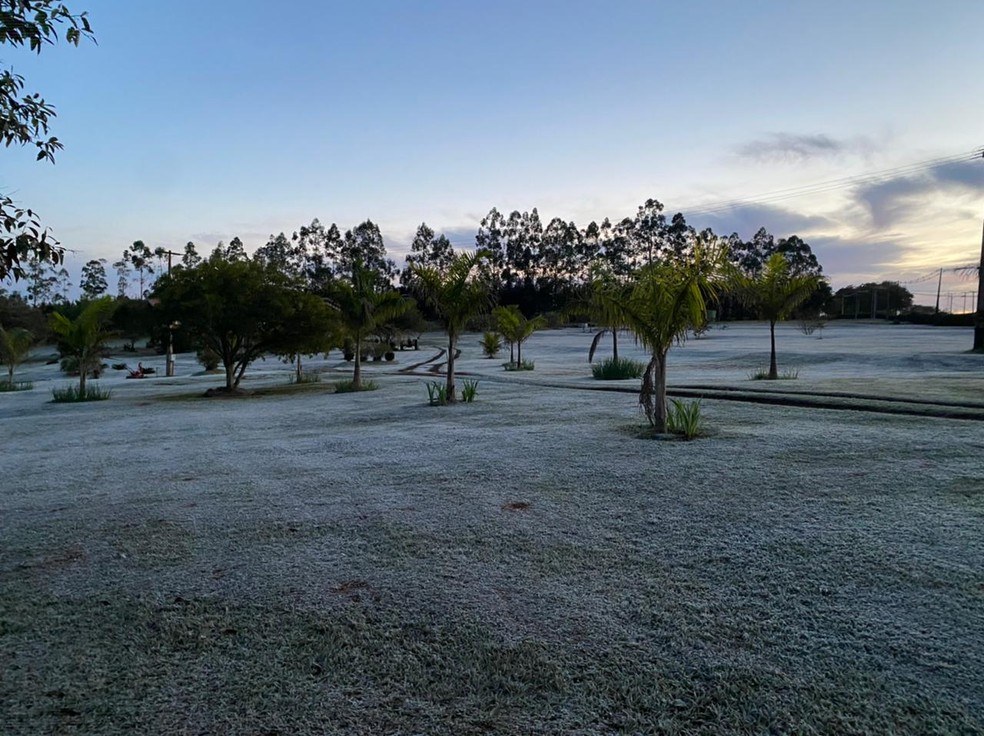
column 427, row 249
column 457, row 293
column 94, row 283
column 775, row 293
column 139, row 256
column 190, row 257
column 84, row 338
column 363, row 248
column 659, row 305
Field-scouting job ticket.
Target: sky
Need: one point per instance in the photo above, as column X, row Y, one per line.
column 202, row 121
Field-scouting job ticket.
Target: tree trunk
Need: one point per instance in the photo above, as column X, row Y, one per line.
column 512, row 353
column 357, row 373
column 83, row 370
column 230, row 371
column 450, row 384
column 773, row 366
column 298, row 368
column 519, row 354
column 652, row 394
column 615, row 345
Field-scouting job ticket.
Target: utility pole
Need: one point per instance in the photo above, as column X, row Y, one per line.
column 979, row 316
column 169, row 362
column 939, row 286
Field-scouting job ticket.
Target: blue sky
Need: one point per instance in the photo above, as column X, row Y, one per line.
column 206, row 120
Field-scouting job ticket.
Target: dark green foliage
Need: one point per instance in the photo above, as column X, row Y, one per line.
column 617, row 369
column 491, row 344
column 241, row 310
column 346, row 387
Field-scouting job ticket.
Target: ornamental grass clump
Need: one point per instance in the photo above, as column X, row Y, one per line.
column 73, row 394
column 684, row 419
column 617, row 369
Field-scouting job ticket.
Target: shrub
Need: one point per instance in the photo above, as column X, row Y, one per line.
column 15, row 386
column 809, row 325
column 789, row 375
column 616, row 369
column 208, row 358
column 526, row 365
column 683, row 418
column 437, row 393
column 73, row 394
column 305, row 378
column 491, row 344
column 390, row 356
column 345, row 387
column 469, row 389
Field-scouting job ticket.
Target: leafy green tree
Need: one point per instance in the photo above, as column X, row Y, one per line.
column 94, row 283
column 457, row 294
column 513, row 325
column 662, row 302
column 41, row 281
column 241, row 310
column 15, row 344
column 84, row 338
column 362, row 305
column 24, row 120
column 775, row 293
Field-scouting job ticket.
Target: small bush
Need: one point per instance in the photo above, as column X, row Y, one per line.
column 305, row 378
column 612, row 369
column 15, row 386
column 526, row 365
column 72, row 394
column 683, row 418
column 346, row 387
column 209, row 359
column 789, row 375
column 809, row 325
column 348, row 355
column 468, row 390
column 491, row 344
column 390, row 356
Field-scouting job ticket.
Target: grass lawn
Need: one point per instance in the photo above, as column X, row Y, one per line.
column 316, row 563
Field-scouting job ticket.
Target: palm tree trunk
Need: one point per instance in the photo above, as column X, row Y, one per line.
column 450, row 383
column 298, row 368
column 773, row 366
column 357, row 373
column 652, row 394
column 512, row 353
column 519, row 354
column 615, row 344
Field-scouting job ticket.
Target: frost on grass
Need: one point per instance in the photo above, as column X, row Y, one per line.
column 325, row 563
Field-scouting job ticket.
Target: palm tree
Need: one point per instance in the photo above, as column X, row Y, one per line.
column 775, row 293
column 363, row 304
column 516, row 328
column 457, row 294
column 663, row 301
column 15, row 344
column 84, row 337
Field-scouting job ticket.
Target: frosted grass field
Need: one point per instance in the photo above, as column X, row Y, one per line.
column 300, row 561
